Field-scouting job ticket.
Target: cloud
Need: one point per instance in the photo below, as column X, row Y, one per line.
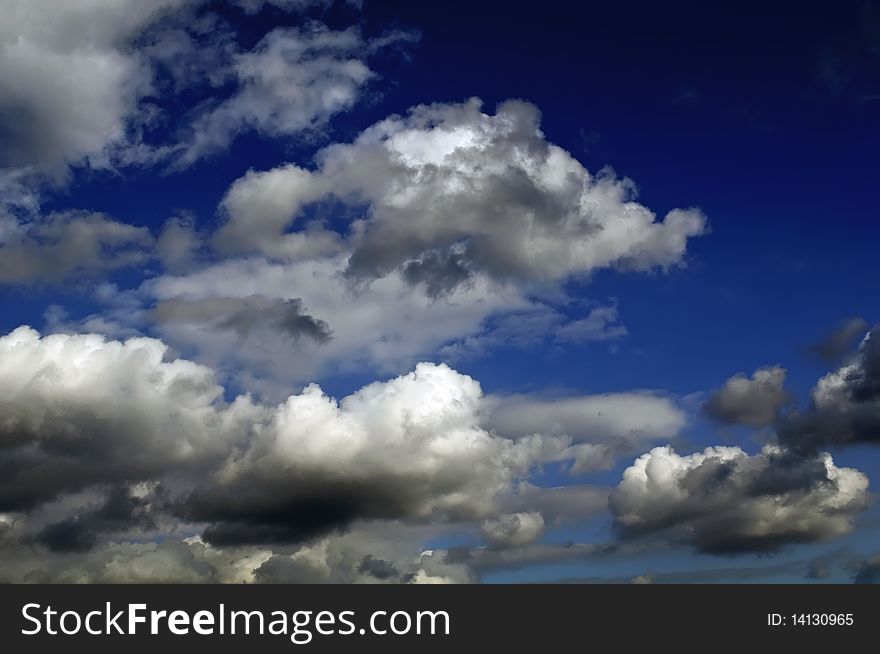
column 61, row 245
column 451, row 192
column 86, row 82
column 294, row 80
column 845, row 404
column 557, row 505
column 386, row 327
column 409, row 448
column 68, row 84
column 79, row 410
column 513, row 530
column 838, row 342
column 601, row 324
column 754, row 401
column 725, row 501
column 623, row 418
column 245, row 315
column 539, row 324
column 121, row 510
column 494, row 187
column 178, row 245
column 105, row 440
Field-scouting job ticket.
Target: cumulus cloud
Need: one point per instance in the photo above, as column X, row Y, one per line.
column 725, row 501
column 409, row 448
column 451, row 191
column 754, row 401
column 61, row 245
column 845, row 404
column 79, row 410
column 82, row 412
column 478, row 220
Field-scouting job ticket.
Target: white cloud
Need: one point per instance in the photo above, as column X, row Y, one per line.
column 723, row 500
column 68, row 85
column 79, row 410
column 409, row 448
column 451, row 191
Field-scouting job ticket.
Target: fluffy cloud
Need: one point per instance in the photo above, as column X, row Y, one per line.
column 754, row 401
column 725, row 501
column 478, row 219
column 451, row 191
column 61, row 245
column 79, row 410
column 408, row 448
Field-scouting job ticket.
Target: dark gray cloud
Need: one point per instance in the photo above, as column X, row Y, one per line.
column 754, row 401
column 377, row 568
column 839, row 341
column 120, row 511
column 278, row 511
column 245, row 315
column 724, row 501
column 441, row 273
column 844, row 407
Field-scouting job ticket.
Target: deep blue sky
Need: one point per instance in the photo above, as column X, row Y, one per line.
column 727, row 107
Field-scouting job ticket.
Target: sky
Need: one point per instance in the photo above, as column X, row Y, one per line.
column 394, row 292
